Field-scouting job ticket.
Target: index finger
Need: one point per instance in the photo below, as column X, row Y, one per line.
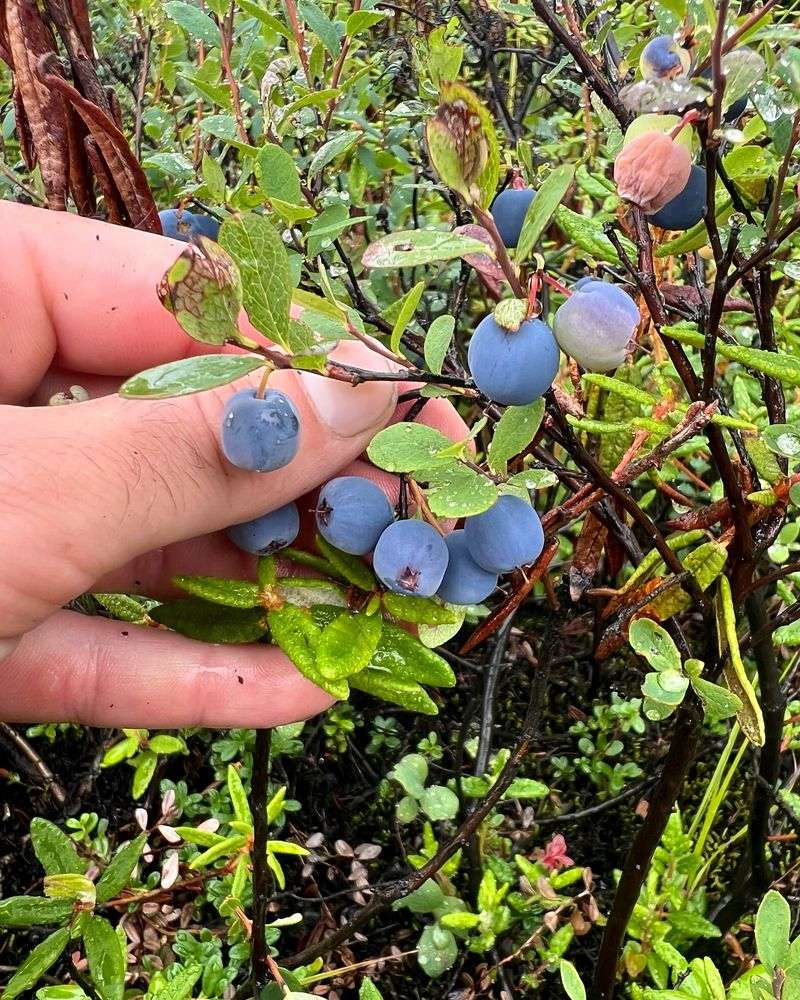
column 81, row 294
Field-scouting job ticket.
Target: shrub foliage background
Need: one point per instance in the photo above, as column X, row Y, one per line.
column 605, row 796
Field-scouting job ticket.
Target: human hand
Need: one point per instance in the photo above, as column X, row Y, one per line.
column 121, row 495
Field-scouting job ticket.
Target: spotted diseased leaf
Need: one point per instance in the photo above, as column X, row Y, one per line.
column 662, row 95
column 706, row 562
column 199, row 619
column 513, row 432
column 416, row 247
column 405, row 447
column 541, row 209
column 37, row 963
column 181, row 378
column 254, row 244
column 107, row 957
column 348, row 644
column 298, row 635
column 462, row 144
column 203, row 291
column 750, row 717
column 231, row 593
column 454, row 490
column 118, row 873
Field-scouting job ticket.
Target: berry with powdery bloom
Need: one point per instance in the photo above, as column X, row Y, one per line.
column 652, row 170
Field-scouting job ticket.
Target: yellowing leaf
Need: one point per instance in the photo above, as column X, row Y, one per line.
column 749, row 717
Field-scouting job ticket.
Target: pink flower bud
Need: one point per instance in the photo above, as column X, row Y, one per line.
column 652, row 170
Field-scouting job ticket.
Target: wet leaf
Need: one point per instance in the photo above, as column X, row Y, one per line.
column 199, row 619
column 743, row 68
column 27, row 911
column 119, row 870
column 143, row 773
column 416, row 247
column 513, row 432
column 661, row 95
column 107, row 958
column 276, row 172
column 407, row 307
column 655, row 644
column 350, row 567
column 587, row 234
column 783, row 439
column 241, row 807
column 706, row 562
column 405, row 447
column 231, row 593
column 194, row 21
column 123, row 607
column 203, row 291
column 54, row 850
column 180, row 378
column 406, row 694
column 297, row 634
column 454, row 490
column 37, row 963
column 419, row 610
column 347, row 644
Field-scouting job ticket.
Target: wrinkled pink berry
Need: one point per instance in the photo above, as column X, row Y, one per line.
column 652, row 170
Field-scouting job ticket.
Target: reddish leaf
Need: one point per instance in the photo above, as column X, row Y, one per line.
column 588, row 552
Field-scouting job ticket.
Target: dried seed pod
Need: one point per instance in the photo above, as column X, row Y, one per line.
column 80, row 172
column 29, row 40
column 652, row 170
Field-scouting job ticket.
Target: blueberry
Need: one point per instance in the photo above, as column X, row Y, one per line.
column 736, row 110
column 260, row 434
column 686, row 209
column 268, row 533
column 508, row 211
column 596, row 324
column 465, row 582
column 411, row 558
column 505, row 536
column 662, row 58
column 181, row 224
column 352, row 513
column 513, row 367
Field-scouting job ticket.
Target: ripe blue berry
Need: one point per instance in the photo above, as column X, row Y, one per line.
column 267, row 534
column 508, row 211
column 410, row 558
column 181, row 224
column 662, row 58
column 260, row 434
column 352, row 513
column 596, row 324
column 687, row 208
column 513, row 367
column 505, row 536
column 465, row 582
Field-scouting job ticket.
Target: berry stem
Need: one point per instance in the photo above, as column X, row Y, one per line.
column 688, row 119
column 503, row 259
column 555, row 283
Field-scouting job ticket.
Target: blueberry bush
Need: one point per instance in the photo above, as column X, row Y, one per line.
column 562, row 758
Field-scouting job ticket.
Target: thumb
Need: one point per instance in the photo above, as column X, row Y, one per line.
column 88, row 487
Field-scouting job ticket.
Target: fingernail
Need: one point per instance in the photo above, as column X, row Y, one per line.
column 345, row 409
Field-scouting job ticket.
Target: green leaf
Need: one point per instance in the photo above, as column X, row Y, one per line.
column 193, row 21
column 773, row 925
column 276, row 172
column 433, row 636
column 749, row 717
column 180, row 986
column 407, row 307
column 654, row 643
column 118, row 873
column 348, row 566
column 587, row 234
column 180, row 378
column 325, row 29
column 363, row 20
column 718, row 702
column 571, row 981
column 706, row 562
column 226, row 846
column 198, row 619
column 419, row 610
column 437, row 951
column 428, row 898
column 60, row 993
column 743, row 68
column 439, row 803
column 267, row 19
column 27, row 911
column 71, row 886
column 330, row 150
column 437, row 342
column 455, row 490
column 143, row 773
column 123, row 607
column 620, row 388
column 541, row 209
column 241, row 807
column 163, row 743
column 411, row 772
column 783, row 439
column 407, row 659
column 368, row 991
column 533, row 479
column 203, row 291
column 347, row 644
column 37, row 963
column 526, row 788
column 405, row 447
column 416, row 247
column 231, row 593
column 213, row 178
column 107, row 958
column 513, row 432
column 264, row 267
column 295, row 631
column 382, row 684
column 54, row 850
column 329, row 226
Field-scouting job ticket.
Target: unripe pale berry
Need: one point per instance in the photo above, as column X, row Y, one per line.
column 651, row 170
column 596, row 324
